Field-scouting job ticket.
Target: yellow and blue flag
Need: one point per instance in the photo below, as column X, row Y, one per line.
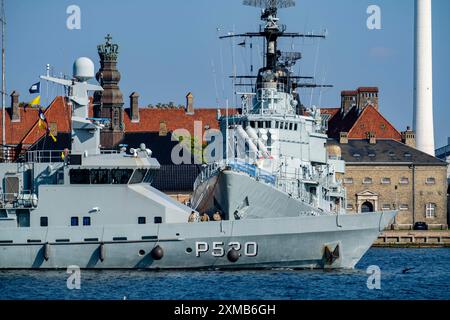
column 36, row 101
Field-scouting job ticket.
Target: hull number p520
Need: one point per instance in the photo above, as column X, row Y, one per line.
column 218, row 249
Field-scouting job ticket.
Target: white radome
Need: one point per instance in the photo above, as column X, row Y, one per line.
column 83, row 69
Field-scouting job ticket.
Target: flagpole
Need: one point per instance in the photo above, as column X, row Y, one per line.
column 3, row 78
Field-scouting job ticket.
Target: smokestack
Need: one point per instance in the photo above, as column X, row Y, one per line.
column 423, row 78
column 134, row 107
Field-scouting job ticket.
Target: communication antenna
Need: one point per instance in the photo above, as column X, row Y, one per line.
column 269, row 4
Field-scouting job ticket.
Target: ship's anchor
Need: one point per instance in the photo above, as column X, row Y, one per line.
column 331, row 256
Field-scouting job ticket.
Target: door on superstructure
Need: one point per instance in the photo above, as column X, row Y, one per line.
column 23, row 218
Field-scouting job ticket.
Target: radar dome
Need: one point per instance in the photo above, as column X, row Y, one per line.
column 334, row 151
column 83, row 69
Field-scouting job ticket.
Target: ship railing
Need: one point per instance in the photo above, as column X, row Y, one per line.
column 253, row 171
column 54, row 156
column 45, row 156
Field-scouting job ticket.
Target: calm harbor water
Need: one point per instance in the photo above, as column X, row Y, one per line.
column 405, row 274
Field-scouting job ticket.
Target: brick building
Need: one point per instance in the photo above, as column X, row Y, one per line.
column 384, row 171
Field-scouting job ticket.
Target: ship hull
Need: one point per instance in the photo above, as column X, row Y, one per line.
column 298, row 242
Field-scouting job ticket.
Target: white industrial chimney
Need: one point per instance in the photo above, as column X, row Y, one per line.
column 423, row 77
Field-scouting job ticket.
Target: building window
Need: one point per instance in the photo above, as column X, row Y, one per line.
column 74, row 221
column 404, row 180
column 386, row 180
column 44, row 221
column 430, row 180
column 367, row 180
column 86, row 221
column 349, row 206
column 348, row 180
column 386, row 207
column 430, row 210
column 142, row 220
column 404, row 207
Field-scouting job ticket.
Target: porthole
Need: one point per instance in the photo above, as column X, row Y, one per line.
column 188, row 250
column 141, row 252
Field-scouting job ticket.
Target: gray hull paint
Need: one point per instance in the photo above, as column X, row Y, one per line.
column 297, row 242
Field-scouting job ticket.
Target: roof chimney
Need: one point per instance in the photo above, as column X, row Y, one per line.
column 15, row 111
column 190, row 103
column 409, row 137
column 367, row 96
column 348, row 100
column 134, row 107
column 372, row 138
column 343, row 138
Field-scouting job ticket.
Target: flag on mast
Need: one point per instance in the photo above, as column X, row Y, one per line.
column 43, row 124
column 36, row 101
column 35, row 88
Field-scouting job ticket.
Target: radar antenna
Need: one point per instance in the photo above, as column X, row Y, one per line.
column 269, row 4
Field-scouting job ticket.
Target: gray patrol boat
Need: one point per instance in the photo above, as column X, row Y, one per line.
column 279, row 183
column 279, row 202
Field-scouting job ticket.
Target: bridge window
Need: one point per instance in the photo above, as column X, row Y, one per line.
column 151, row 174
column 277, row 124
column 290, row 126
column 100, row 176
column 79, row 176
column 121, row 176
column 138, row 176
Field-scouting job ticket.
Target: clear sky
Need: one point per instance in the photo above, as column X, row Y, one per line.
column 170, row 47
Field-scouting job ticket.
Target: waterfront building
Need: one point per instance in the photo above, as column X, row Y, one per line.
column 384, row 170
column 444, row 154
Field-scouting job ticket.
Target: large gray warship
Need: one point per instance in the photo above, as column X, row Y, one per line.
column 279, row 178
column 279, row 202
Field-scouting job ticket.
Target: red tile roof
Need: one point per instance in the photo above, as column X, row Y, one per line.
column 368, row 89
column 331, row 111
column 150, row 119
column 371, row 120
column 349, row 93
column 58, row 112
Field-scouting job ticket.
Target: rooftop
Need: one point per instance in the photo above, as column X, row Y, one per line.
column 384, row 151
